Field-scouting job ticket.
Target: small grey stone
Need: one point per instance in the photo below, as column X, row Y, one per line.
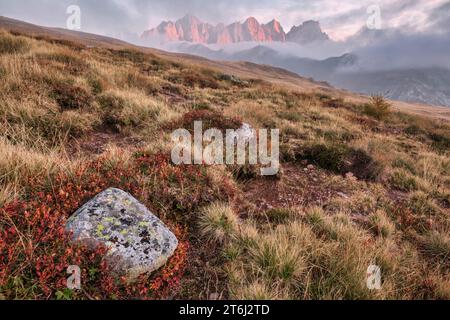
column 244, row 134
column 137, row 240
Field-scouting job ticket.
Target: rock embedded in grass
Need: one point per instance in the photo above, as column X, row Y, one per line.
column 137, row 240
column 245, row 133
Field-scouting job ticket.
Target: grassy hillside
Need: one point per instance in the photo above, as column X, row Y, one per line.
column 361, row 184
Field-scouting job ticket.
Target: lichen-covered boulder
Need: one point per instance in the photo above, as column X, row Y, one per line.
column 137, row 240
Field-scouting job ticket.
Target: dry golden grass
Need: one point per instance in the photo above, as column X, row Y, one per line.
column 258, row 114
column 323, row 257
column 53, row 95
column 381, row 224
column 18, row 162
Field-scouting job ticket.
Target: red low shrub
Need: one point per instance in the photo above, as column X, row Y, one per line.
column 210, row 120
column 181, row 190
column 35, row 251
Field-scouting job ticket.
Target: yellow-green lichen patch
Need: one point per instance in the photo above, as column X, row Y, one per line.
column 137, row 239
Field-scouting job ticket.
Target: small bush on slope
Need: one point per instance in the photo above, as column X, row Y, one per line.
column 342, row 159
column 437, row 246
column 378, row 107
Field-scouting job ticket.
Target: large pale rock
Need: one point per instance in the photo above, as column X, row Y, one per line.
column 138, row 241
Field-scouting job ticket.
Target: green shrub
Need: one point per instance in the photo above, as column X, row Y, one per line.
column 330, row 157
column 381, row 224
column 144, row 83
column 362, row 165
column 232, row 79
column 338, row 135
column 290, row 116
column 437, row 245
column 112, row 107
column 322, row 96
column 159, row 65
column 378, row 107
column 202, row 78
column 119, row 112
column 342, row 159
column 244, row 172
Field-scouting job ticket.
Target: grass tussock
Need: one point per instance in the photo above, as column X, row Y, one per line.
column 382, row 225
column 10, row 44
column 218, row 222
column 317, row 256
column 437, row 246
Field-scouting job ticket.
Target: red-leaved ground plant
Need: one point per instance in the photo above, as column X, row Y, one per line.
column 35, row 250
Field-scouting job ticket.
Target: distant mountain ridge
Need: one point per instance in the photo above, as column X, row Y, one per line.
column 420, row 85
column 191, row 29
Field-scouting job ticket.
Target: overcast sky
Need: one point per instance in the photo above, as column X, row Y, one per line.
column 339, row 18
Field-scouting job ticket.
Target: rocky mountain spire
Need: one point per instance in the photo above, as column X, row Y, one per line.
column 191, row 29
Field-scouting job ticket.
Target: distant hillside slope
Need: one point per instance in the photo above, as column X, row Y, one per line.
column 421, row 85
column 427, row 85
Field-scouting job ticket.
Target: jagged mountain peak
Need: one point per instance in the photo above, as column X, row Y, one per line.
column 252, row 20
column 191, row 29
column 308, row 32
column 190, row 17
column 276, row 26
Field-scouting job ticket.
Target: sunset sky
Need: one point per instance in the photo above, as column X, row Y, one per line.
column 338, row 18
